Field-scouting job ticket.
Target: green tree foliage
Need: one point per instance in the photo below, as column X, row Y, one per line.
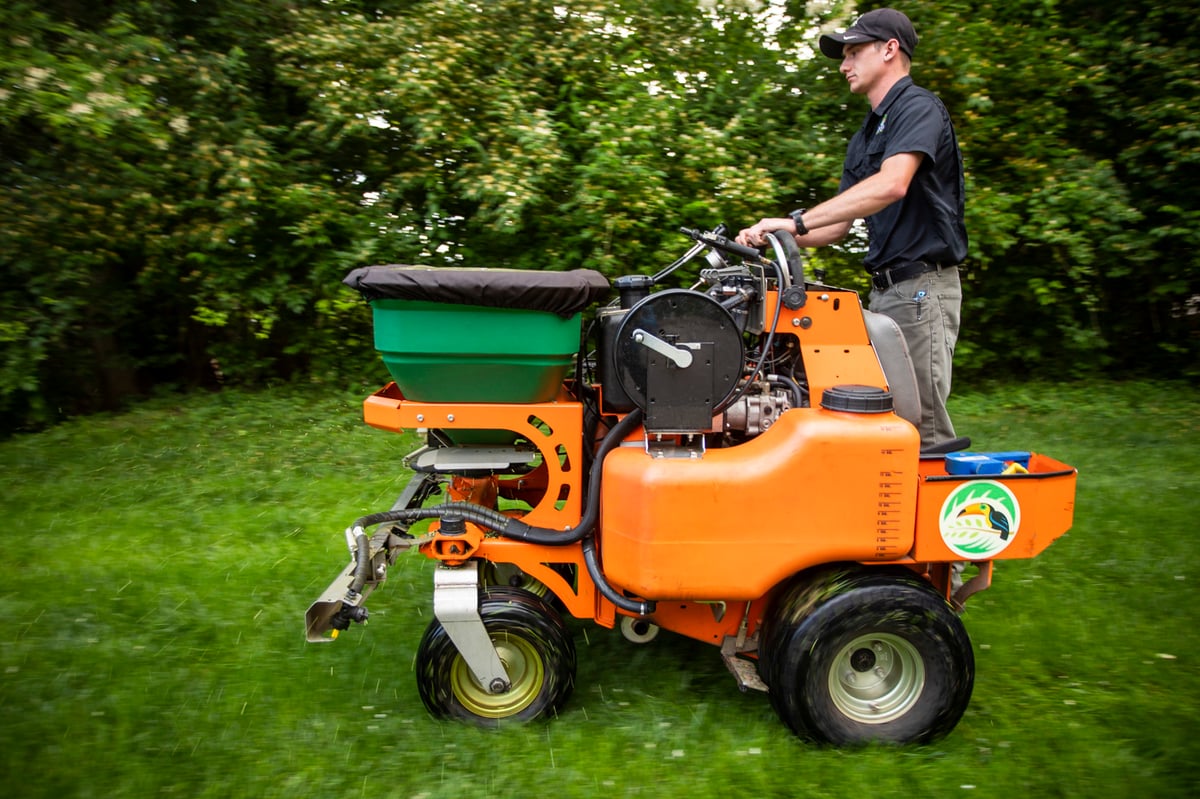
column 185, row 183
column 533, row 135
column 1136, row 110
column 166, row 222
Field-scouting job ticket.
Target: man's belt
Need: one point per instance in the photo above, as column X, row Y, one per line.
column 902, row 272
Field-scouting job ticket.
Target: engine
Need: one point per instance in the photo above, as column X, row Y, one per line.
column 703, row 360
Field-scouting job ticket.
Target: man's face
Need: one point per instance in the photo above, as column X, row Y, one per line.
column 862, row 64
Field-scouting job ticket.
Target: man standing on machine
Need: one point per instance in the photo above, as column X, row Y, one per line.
column 903, row 174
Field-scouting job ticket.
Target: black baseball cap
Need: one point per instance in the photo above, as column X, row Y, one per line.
column 874, row 26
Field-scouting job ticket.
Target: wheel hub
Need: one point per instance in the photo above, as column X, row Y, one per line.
column 876, row 678
column 500, row 699
column 863, row 660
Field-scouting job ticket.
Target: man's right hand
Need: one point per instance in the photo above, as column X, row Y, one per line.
column 755, row 235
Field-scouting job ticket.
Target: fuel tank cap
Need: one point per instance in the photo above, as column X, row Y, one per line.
column 857, row 399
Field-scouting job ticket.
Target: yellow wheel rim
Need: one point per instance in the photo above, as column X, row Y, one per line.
column 525, row 672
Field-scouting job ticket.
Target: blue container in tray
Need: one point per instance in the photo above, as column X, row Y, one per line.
column 964, row 463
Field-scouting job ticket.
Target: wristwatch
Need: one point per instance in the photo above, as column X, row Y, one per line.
column 798, row 217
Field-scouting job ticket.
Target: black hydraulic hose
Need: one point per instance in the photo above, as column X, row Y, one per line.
column 362, row 561
column 508, row 526
column 792, row 386
column 638, row 606
column 478, row 514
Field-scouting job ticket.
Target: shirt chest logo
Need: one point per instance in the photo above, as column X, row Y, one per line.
column 882, row 124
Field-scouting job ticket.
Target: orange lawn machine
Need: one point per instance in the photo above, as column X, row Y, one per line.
column 735, row 462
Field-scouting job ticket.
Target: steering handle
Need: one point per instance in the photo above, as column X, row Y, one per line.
column 722, row 243
column 788, row 253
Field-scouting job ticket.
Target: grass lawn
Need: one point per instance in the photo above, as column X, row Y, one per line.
column 157, row 566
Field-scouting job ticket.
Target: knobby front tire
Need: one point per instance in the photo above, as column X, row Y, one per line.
column 533, row 643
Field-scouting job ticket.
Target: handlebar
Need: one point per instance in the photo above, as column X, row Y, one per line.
column 722, row 243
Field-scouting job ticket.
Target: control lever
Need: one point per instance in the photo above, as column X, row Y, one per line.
column 679, row 356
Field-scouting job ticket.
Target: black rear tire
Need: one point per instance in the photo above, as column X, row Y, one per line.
column 852, row 656
column 535, row 646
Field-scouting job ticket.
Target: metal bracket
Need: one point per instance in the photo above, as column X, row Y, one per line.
column 384, row 547
column 464, row 460
column 692, row 448
column 744, row 671
column 456, row 606
column 979, row 582
column 418, row 489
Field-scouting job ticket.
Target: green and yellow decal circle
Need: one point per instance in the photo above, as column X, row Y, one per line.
column 980, row 519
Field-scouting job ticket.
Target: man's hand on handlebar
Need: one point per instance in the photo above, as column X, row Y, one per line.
column 726, row 245
column 755, row 235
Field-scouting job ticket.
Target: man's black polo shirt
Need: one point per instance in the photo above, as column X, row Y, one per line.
column 927, row 224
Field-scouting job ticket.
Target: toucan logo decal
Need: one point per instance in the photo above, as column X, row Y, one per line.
column 980, row 519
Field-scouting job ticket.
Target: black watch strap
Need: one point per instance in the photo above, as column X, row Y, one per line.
column 798, row 217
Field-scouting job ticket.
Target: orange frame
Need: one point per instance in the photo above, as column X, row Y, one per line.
column 877, row 502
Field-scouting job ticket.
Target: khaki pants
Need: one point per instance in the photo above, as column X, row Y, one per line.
column 928, row 309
